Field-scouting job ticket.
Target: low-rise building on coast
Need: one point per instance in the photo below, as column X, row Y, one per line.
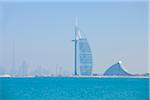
column 117, row 70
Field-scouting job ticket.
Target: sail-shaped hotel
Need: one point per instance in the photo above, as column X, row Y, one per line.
column 85, row 56
column 82, row 55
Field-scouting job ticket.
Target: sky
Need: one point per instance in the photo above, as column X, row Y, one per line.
column 42, row 34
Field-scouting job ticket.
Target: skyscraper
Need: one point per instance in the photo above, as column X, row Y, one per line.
column 24, row 69
column 85, row 55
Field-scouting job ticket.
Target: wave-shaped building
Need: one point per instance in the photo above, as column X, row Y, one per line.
column 116, row 70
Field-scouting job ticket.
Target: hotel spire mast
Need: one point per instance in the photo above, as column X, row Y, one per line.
column 75, row 46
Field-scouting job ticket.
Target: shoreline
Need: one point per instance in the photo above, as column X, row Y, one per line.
column 75, row 77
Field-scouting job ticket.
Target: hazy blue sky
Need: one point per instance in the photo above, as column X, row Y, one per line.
column 43, row 32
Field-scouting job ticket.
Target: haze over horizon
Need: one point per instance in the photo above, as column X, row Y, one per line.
column 42, row 34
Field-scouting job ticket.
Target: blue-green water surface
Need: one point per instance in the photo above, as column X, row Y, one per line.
column 74, row 89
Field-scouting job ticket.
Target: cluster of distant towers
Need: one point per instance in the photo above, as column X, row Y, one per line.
column 82, row 57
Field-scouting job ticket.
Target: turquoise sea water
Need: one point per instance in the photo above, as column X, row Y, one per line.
column 74, row 89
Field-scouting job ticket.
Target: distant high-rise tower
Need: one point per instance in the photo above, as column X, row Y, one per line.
column 85, row 54
column 23, row 69
column 13, row 67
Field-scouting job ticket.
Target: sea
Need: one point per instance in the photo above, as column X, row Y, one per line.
column 65, row 88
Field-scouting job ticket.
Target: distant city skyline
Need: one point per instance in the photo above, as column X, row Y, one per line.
column 42, row 34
